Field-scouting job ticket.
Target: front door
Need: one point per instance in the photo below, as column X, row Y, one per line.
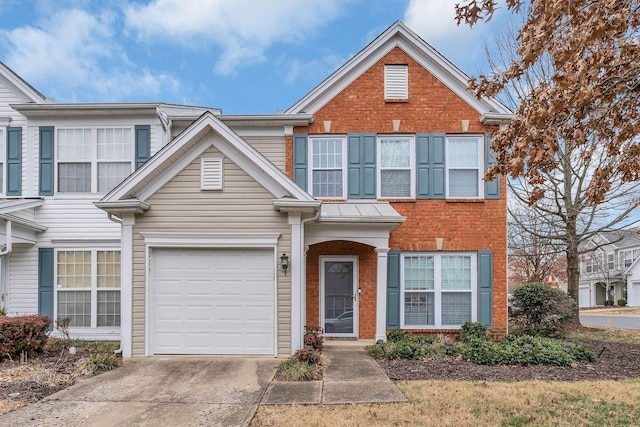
column 339, row 300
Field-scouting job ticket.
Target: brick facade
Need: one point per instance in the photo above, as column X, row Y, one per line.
column 465, row 225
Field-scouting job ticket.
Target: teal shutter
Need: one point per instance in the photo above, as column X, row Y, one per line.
column 430, row 165
column 45, row 283
column 300, row 146
column 393, row 290
column 485, row 288
column 491, row 188
column 45, row 183
column 14, row 161
column 361, row 158
column 143, row 144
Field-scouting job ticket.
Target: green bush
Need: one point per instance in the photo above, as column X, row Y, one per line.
column 396, row 335
column 473, row 330
column 99, row 363
column 540, row 310
column 406, row 349
column 608, row 302
column 23, row 333
column 622, row 302
column 375, row 351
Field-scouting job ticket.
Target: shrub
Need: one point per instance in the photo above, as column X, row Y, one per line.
column 396, row 335
column 313, row 337
column 406, row 349
column 480, row 351
column 607, row 302
column 3, row 311
column 540, row 310
column 295, row 370
column 375, row 351
column 473, row 330
column 622, row 302
column 308, row 355
column 23, row 333
column 99, row 363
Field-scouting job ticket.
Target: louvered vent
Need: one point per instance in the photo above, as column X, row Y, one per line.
column 396, row 82
column 211, row 174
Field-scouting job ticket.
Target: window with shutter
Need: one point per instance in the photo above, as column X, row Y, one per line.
column 396, row 81
column 211, row 174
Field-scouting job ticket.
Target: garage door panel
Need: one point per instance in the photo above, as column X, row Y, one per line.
column 213, row 301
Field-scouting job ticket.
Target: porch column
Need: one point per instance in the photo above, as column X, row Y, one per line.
column 126, row 284
column 381, row 295
column 297, row 280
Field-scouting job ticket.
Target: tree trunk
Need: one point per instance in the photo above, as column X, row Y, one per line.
column 573, row 268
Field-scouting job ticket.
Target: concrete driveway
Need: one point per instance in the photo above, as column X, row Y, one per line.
column 167, row 391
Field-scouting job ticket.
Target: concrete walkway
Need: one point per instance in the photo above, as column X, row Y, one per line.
column 350, row 376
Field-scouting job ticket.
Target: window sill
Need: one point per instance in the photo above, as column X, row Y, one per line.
column 396, row 100
column 397, row 200
column 465, row 200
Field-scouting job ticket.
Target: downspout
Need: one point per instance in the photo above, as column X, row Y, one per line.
column 303, row 273
column 117, row 220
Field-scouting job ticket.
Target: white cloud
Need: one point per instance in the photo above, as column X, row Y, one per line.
column 242, row 29
column 77, row 55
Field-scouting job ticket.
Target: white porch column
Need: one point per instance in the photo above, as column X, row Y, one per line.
column 126, row 284
column 381, row 295
column 297, row 282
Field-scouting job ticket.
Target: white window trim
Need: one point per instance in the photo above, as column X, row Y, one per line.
column 438, row 291
column 480, row 168
column 412, row 166
column 94, row 156
column 86, row 330
column 344, row 169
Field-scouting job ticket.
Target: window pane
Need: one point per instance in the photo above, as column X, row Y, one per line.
column 419, row 308
column 74, row 144
column 108, row 269
column 456, row 272
column 456, row 308
column 112, row 174
column 76, row 305
column 114, row 144
column 418, row 273
column 327, row 154
column 108, row 310
column 327, row 183
column 463, row 183
column 394, row 153
column 74, row 177
column 463, row 152
column 395, row 183
column 74, row 269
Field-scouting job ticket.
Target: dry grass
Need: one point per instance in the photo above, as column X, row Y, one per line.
column 605, row 333
column 447, row 403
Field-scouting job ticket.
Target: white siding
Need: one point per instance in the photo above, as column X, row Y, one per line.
column 273, row 148
column 23, row 280
column 244, row 206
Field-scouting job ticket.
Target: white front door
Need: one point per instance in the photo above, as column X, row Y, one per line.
column 213, row 301
column 339, row 296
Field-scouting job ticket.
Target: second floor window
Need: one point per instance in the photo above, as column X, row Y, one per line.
column 327, row 167
column 464, row 166
column 92, row 160
column 395, row 172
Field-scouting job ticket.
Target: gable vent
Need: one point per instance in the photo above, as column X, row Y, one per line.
column 211, row 174
column 396, row 81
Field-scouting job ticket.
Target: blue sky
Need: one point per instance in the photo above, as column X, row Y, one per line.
column 243, row 56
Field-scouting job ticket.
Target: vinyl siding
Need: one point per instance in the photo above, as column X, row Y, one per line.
column 273, row 148
column 180, row 206
column 23, row 280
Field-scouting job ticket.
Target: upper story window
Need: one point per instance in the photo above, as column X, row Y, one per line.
column 628, row 257
column 396, row 174
column 396, row 81
column 93, row 159
column 2, row 157
column 465, row 165
column 592, row 263
column 328, row 157
column 611, row 262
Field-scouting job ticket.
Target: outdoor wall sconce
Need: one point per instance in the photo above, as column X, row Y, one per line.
column 284, row 263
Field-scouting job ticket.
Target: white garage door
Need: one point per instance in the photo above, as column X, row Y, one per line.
column 584, row 297
column 213, row 301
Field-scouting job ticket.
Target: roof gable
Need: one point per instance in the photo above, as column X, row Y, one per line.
column 22, row 90
column 205, row 132
column 397, row 35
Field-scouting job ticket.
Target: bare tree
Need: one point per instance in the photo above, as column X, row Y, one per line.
column 555, row 212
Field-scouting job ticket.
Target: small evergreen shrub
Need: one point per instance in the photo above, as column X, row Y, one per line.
column 540, row 310
column 607, row 302
column 23, row 333
column 473, row 330
column 396, row 335
column 375, row 351
column 622, row 302
column 313, row 337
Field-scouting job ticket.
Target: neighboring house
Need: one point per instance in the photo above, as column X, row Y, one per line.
column 181, row 230
column 611, row 271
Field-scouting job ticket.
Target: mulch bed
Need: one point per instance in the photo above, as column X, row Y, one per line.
column 618, row 361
